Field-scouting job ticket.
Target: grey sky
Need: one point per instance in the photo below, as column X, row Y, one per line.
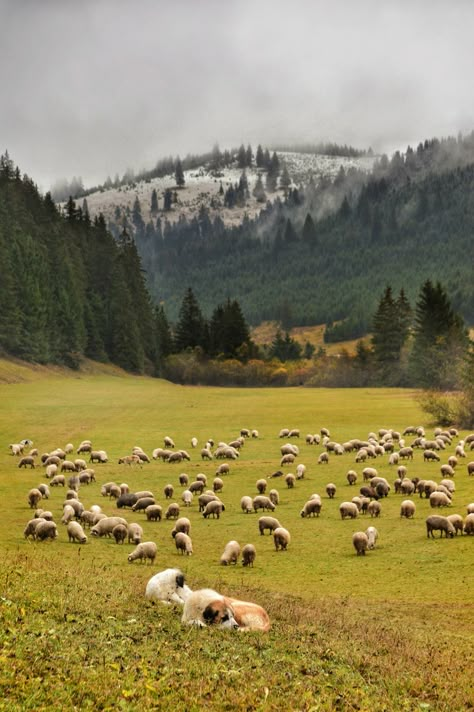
column 92, row 87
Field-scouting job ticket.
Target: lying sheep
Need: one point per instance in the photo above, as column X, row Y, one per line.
column 183, row 543
column 46, row 530
column 231, row 553
column 248, row 555
column 281, row 538
column 407, row 509
column 348, row 510
column 360, row 543
column 269, row 523
column 372, row 536
column 246, row 504
column 214, row 508
column 262, row 502
column 311, row 508
column 153, row 513
column 438, row 523
column 146, row 551
column 76, row 533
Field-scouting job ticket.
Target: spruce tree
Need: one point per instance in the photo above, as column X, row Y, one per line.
column 179, row 173
column 190, row 329
column 154, row 202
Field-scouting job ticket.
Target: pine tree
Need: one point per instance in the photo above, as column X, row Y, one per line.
column 167, row 199
column 285, row 180
column 241, row 157
column 248, row 156
column 179, row 173
column 439, row 340
column 386, row 339
column 154, row 202
column 228, row 330
column 259, row 157
column 259, row 191
column 308, row 233
column 190, row 330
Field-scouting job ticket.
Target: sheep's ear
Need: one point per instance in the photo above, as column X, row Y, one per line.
column 180, row 580
column 209, row 615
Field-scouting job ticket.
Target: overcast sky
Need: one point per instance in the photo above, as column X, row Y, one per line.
column 92, row 87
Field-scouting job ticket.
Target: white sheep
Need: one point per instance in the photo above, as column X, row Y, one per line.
column 187, row 498
column 246, row 504
column 46, row 530
column 146, row 551
column 215, row 508
column 261, row 486
column 360, row 542
column 134, row 533
column 194, row 442
column 184, row 544
column 372, row 536
column 270, row 523
column 231, row 553
column 34, row 497
column 262, row 502
column 311, row 508
column 300, row 471
column 76, row 533
column 348, row 510
column 248, row 555
column 281, row 538
column 182, row 525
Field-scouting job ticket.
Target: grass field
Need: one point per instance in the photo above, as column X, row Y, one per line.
column 389, row 631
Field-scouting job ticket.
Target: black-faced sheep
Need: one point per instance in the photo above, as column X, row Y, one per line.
column 146, row 551
column 231, row 553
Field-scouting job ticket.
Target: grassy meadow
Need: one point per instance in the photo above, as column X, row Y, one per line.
column 389, row 631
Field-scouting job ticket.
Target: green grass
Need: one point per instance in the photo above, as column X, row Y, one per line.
column 391, row 631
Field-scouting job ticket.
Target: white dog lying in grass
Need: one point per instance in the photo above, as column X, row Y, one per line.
column 168, row 586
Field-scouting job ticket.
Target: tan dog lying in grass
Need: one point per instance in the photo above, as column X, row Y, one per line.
column 207, row 607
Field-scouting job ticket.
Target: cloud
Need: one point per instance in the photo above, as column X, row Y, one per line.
column 92, row 88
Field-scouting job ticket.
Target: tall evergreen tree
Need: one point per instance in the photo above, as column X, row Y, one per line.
column 179, row 173
column 154, row 202
column 259, row 157
column 190, row 329
column 228, row 330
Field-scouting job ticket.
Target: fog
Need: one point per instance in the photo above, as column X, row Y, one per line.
column 94, row 87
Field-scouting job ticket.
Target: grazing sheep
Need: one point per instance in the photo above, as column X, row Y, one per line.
column 205, row 498
column 457, row 522
column 130, row 460
column 142, row 503
column 168, row 442
column 85, row 446
column 262, row 502
column 372, row 536
column 331, row 490
column 134, row 533
column 323, row 459
column 173, row 511
column 447, row 471
column 248, row 555
column 348, row 510
column 217, row 484
column 368, row 473
column 214, row 508
column 119, row 533
column 311, row 508
column 261, row 486
column 405, row 453
column 281, row 538
column 187, row 498
column 105, row 525
column 284, row 432
column 34, row 496
column 182, row 525
column 46, row 530
column 129, row 499
column 98, row 456
column 183, row 543
column 459, row 451
column 274, row 496
column 153, row 513
column 430, row 455
column 197, row 486
column 44, row 489
column 289, row 449
column 16, row 449
column 438, row 523
column 183, row 479
column 167, row 586
column 30, row 529
column 206, row 454
column 407, row 509
column 300, row 471
column 231, row 553
column 360, row 543
column 290, row 480
column 51, row 471
column 294, row 433
column 439, row 499
column 27, row 460
column 223, row 469
column 269, row 523
column 469, row 524
column 194, row 442
column 80, row 465
column 374, row 508
column 146, row 551
column 52, row 460
column 351, row 477
column 175, row 457
column 168, row 491
column 287, row 460
column 394, row 458
column 246, row 504
column 76, row 533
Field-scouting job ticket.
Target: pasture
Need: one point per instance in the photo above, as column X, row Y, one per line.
column 391, row 630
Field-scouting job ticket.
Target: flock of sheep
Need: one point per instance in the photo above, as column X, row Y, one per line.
column 394, row 450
